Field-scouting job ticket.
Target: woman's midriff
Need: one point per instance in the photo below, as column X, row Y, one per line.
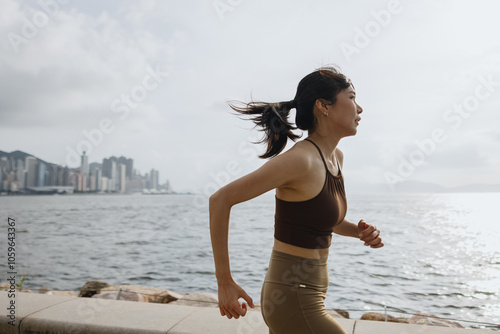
column 300, row 251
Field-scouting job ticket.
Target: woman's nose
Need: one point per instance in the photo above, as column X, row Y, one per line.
column 360, row 110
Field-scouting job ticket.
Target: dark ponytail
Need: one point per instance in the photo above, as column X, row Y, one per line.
column 324, row 83
column 273, row 119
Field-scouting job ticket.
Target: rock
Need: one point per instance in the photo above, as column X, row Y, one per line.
column 343, row 313
column 100, row 289
column 432, row 320
column 151, row 295
column 43, row 290
column 198, row 299
column 121, row 295
column 93, row 287
column 373, row 316
column 167, row 297
column 338, row 313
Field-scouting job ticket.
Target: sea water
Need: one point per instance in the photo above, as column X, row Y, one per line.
column 441, row 254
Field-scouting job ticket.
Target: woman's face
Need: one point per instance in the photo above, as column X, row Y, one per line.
column 344, row 114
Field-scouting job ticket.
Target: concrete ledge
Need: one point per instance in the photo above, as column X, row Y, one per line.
column 25, row 305
column 38, row 313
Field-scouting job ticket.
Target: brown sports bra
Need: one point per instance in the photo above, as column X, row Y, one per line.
column 309, row 224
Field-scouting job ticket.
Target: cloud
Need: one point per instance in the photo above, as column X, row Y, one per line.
column 90, row 53
column 73, row 68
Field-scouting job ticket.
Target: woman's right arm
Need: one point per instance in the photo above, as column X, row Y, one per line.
column 275, row 173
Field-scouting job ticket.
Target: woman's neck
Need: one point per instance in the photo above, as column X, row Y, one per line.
column 327, row 144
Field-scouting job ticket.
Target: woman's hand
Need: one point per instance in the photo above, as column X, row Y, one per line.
column 229, row 293
column 369, row 234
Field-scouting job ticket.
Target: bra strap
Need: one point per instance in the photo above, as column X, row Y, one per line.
column 321, row 154
column 322, row 158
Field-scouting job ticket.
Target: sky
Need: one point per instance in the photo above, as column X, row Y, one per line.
column 150, row 80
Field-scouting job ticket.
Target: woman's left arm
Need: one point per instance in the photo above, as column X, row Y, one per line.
column 346, row 228
column 365, row 232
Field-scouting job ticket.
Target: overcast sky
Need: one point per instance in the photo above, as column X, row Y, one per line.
column 149, row 80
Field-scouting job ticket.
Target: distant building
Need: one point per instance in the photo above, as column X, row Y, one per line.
column 104, row 184
column 41, row 175
column 4, row 164
column 107, row 166
column 84, row 169
column 153, row 179
column 135, row 185
column 129, row 166
column 79, row 181
column 113, row 185
column 98, row 179
column 30, row 165
column 121, row 177
column 92, row 182
column 20, row 174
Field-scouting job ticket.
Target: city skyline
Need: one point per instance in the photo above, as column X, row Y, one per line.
column 21, row 172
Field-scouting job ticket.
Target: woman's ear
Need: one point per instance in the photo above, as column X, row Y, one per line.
column 321, row 105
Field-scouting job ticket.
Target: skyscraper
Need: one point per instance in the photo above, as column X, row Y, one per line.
column 154, row 177
column 30, row 165
column 129, row 163
column 3, row 172
column 114, row 177
column 41, row 174
column 20, row 173
column 122, row 177
column 84, row 169
column 98, row 179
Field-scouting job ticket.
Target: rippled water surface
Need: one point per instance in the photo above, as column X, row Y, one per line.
column 442, row 253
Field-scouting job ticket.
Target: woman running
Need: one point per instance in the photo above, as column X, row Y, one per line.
column 310, row 205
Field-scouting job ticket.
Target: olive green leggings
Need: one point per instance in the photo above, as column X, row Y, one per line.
column 293, row 296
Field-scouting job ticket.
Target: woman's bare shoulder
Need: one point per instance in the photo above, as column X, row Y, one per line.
column 340, row 155
column 298, row 156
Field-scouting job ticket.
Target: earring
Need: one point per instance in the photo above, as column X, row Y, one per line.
column 325, row 114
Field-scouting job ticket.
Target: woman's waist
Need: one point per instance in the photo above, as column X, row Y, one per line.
column 296, row 271
column 308, row 253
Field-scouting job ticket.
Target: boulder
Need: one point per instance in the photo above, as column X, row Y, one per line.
column 338, row 313
column 151, row 295
column 198, row 299
column 121, row 295
column 93, row 287
column 342, row 313
column 44, row 290
column 373, row 316
column 167, row 297
column 432, row 320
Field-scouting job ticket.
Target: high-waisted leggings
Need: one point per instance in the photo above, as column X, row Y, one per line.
column 293, row 296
